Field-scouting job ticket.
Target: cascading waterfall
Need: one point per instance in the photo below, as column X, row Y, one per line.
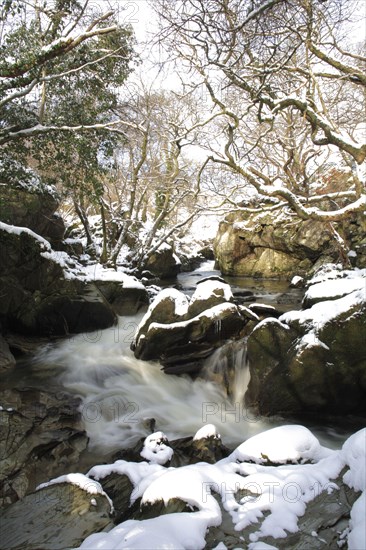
column 121, row 395
column 228, row 366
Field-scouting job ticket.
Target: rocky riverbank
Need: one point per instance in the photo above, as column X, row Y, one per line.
column 280, row 489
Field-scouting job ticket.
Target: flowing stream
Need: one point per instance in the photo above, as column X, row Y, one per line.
column 123, row 398
column 121, row 394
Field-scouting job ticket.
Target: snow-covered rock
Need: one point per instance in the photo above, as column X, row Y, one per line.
column 181, row 333
column 301, row 502
column 313, row 358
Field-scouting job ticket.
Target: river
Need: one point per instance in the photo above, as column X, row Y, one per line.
column 121, row 395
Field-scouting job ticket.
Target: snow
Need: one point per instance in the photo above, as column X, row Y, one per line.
column 280, row 445
column 80, row 480
column 215, row 313
column 324, row 312
column 97, row 272
column 135, row 471
column 354, row 453
column 172, row 532
column 271, row 321
column 155, row 450
column 335, row 288
column 296, row 280
column 335, row 271
column 15, row 230
column 212, row 288
column 209, row 430
column 357, row 534
column 275, row 496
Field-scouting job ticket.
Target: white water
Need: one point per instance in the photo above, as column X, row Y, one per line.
column 120, row 393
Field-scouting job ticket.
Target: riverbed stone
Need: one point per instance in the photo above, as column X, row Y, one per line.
column 54, row 518
column 41, row 435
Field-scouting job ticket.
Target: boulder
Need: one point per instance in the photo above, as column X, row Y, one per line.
column 163, row 263
column 280, row 245
column 313, row 360
column 54, row 518
column 32, row 207
column 41, row 435
column 181, row 334
column 37, row 298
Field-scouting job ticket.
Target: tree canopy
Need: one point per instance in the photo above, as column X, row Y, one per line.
column 285, row 89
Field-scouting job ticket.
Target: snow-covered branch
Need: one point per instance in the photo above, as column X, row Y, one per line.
column 9, row 134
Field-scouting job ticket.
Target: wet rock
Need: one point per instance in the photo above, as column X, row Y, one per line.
column 7, row 359
column 40, row 436
column 119, row 488
column 188, row 450
column 263, row 310
column 158, row 508
column 123, row 300
column 54, row 518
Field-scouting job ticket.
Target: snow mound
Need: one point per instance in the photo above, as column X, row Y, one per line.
column 172, row 532
column 354, row 454
column 280, row 445
column 209, row 430
column 212, row 288
column 155, row 449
